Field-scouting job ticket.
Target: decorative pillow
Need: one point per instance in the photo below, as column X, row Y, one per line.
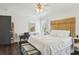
column 60, row 33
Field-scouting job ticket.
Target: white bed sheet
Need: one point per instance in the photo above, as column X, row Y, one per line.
column 49, row 45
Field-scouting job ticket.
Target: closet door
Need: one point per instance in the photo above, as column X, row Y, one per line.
column 5, row 27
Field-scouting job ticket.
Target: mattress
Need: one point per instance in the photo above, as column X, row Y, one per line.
column 49, row 45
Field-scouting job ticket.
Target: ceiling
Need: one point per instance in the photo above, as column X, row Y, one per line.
column 28, row 9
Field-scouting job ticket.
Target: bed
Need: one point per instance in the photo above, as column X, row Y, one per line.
column 55, row 43
column 49, row 45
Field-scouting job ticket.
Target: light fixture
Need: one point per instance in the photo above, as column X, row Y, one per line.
column 39, row 7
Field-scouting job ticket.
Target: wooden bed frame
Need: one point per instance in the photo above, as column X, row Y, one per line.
column 64, row 24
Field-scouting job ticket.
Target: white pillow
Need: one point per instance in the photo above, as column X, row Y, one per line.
column 33, row 33
column 60, row 33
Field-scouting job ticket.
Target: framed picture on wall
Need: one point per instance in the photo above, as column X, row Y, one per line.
column 32, row 27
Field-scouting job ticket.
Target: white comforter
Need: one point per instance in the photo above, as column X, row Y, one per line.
column 49, row 45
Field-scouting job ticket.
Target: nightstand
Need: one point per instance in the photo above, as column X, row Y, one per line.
column 76, row 44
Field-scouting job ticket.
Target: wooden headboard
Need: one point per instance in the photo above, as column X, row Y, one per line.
column 64, row 24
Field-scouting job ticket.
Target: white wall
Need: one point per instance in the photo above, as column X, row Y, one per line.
column 21, row 21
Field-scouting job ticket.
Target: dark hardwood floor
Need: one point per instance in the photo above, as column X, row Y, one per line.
column 13, row 49
column 9, row 49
